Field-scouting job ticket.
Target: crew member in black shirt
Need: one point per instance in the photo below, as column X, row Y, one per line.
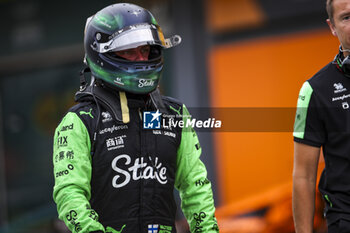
column 322, row 121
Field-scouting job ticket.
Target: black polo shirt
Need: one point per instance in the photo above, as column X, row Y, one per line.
column 322, row 120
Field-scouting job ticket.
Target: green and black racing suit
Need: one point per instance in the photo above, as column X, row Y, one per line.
column 127, row 184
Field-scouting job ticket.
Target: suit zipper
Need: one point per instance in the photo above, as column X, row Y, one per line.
column 141, row 180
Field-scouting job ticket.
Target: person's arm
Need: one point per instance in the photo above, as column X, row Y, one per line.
column 72, row 173
column 304, row 184
column 191, row 180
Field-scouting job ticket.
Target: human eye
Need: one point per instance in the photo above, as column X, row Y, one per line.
column 346, row 17
column 145, row 49
column 126, row 52
column 129, row 52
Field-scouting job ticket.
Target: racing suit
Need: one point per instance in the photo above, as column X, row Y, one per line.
column 119, row 177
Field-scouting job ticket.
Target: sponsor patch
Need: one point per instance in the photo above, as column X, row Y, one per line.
column 142, row 168
column 113, row 128
column 106, row 117
column 67, row 127
column 115, row 143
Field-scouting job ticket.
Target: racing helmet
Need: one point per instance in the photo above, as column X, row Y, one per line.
column 123, row 26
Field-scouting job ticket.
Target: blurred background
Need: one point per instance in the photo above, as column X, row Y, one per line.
column 234, row 54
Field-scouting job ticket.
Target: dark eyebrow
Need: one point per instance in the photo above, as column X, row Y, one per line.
column 347, row 13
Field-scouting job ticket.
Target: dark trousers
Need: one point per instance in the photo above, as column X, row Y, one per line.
column 340, row 226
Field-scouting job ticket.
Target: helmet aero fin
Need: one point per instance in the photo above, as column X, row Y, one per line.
column 172, row 41
column 120, row 27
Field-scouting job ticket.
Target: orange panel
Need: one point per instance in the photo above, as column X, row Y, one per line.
column 262, row 73
column 228, row 14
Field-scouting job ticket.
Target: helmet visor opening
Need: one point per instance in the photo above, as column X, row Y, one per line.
column 132, row 37
column 155, row 53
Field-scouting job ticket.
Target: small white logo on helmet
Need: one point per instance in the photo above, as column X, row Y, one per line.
column 145, row 83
